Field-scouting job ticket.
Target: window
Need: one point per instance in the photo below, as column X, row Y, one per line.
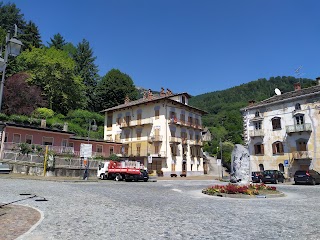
column 257, row 125
column 29, row 139
column 70, row 144
column 47, row 141
column 157, row 113
column 190, row 121
column 118, row 120
column 276, row 123
column 173, row 150
column 258, row 149
column 277, row 148
column 191, row 136
column 257, row 114
column 173, row 133
column 64, row 143
column 183, row 99
column 261, row 167
column 109, row 121
column 111, row 150
column 127, row 134
column 299, row 119
column 297, row 106
column 182, row 118
column 16, row 138
column 138, row 150
column 99, row 148
column 156, row 149
column 139, row 135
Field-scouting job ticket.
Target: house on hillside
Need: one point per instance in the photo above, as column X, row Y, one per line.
column 161, row 131
column 283, row 132
column 59, row 141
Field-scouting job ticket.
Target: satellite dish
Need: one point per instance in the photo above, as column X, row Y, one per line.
column 277, row 91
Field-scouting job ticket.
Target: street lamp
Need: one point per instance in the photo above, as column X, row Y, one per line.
column 94, row 128
column 12, row 47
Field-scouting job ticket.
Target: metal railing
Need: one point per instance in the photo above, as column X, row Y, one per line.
column 155, row 138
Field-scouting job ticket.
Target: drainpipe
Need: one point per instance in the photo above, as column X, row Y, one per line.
column 312, row 164
column 166, row 132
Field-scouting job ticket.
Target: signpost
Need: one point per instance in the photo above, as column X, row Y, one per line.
column 286, row 163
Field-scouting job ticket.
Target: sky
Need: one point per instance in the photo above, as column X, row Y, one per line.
column 196, row 46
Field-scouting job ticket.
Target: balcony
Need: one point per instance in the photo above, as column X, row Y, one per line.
column 175, row 140
column 256, row 133
column 184, row 141
column 141, row 122
column 174, row 120
column 125, row 124
column 299, row 128
column 157, row 154
column 197, row 142
column 192, row 142
column 155, row 138
column 301, row 155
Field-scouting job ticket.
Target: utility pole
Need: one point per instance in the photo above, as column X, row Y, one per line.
column 221, row 159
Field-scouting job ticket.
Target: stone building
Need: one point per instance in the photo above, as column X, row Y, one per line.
column 283, row 132
column 161, row 131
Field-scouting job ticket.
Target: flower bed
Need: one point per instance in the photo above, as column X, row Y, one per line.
column 251, row 190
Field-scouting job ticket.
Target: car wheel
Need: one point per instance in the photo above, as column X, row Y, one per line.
column 118, row 178
column 102, row 176
column 313, row 182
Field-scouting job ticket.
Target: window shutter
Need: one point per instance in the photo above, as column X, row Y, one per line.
column 280, row 147
column 255, row 149
column 274, row 148
column 262, row 149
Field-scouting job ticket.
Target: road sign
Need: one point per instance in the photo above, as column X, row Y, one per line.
column 218, row 162
column 85, row 150
column 286, row 163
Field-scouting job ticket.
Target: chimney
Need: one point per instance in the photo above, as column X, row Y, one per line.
column 297, row 86
column 318, row 80
column 150, row 95
column 43, row 123
column 65, row 127
column 144, row 95
column 126, row 100
column 162, row 93
column 251, row 102
column 168, row 93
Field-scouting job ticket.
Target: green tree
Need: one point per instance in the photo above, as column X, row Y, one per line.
column 57, row 41
column 11, row 15
column 31, row 36
column 113, row 88
column 53, row 71
column 86, row 68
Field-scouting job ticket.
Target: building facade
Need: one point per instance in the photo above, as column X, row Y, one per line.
column 283, row 132
column 161, row 131
column 58, row 141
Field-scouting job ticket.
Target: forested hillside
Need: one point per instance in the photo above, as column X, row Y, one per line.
column 224, row 118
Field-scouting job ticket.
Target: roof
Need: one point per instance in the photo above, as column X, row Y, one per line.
column 286, row 97
column 36, row 128
column 154, row 98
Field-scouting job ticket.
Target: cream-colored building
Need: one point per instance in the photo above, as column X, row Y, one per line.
column 161, row 131
column 283, row 132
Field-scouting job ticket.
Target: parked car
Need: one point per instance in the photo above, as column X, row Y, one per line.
column 307, row 176
column 256, row 177
column 272, row 176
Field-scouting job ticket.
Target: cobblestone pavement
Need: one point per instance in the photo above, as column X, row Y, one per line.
column 165, row 209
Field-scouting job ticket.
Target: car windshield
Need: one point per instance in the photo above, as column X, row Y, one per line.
column 269, row 172
column 300, row 172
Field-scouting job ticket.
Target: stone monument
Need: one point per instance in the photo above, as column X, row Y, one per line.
column 240, row 165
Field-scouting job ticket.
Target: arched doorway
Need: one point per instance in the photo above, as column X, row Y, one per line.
column 261, row 167
column 281, row 168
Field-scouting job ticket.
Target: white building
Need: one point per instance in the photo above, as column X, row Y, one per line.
column 161, row 131
column 283, row 132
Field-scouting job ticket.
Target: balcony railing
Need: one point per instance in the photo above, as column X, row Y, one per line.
column 175, row 140
column 299, row 128
column 141, row 122
column 198, row 142
column 143, row 153
column 256, row 133
column 184, row 141
column 125, row 124
column 155, row 138
column 301, row 155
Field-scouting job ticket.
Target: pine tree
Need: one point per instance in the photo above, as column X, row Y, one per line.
column 57, row 41
column 87, row 70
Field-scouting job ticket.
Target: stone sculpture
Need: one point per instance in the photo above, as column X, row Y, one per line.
column 240, row 165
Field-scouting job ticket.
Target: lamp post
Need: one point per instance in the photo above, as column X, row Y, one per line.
column 221, row 159
column 12, row 47
column 94, row 128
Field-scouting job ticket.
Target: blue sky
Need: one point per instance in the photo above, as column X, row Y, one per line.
column 194, row 46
